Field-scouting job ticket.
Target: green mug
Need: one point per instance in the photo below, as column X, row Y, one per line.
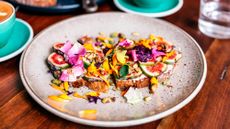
column 147, row 3
column 6, row 26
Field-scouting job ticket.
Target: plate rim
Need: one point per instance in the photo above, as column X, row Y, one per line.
column 29, row 40
column 116, row 123
column 161, row 14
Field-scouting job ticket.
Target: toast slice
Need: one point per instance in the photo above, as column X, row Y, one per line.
column 96, row 64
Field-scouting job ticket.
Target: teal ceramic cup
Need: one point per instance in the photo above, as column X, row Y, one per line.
column 6, row 28
column 148, row 3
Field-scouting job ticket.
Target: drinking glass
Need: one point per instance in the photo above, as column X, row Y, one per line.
column 214, row 20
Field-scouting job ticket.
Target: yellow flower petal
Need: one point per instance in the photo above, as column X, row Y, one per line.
column 75, row 94
column 147, row 44
column 57, row 87
column 66, row 86
column 89, row 46
column 56, row 98
column 106, row 65
column 92, row 69
column 108, row 52
column 108, row 45
column 64, row 96
column 154, row 81
column 92, row 93
column 152, row 37
column 105, row 80
column 114, row 59
column 88, row 114
column 114, row 69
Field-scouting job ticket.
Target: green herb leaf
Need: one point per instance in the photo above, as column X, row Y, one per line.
column 124, row 71
column 86, row 65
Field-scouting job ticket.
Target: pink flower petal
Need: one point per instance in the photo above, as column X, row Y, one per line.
column 67, row 46
column 71, row 74
column 77, row 71
column 134, row 55
column 64, row 76
column 156, row 53
column 76, row 49
column 125, row 43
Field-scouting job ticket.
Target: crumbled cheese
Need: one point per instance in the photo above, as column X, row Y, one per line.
column 133, row 96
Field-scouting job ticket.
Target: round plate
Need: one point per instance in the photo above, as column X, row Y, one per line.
column 61, row 7
column 164, row 9
column 187, row 80
column 21, row 36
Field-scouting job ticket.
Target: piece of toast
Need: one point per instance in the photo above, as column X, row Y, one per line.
column 96, row 85
column 139, row 82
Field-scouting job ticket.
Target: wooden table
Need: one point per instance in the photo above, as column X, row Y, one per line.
column 210, row 109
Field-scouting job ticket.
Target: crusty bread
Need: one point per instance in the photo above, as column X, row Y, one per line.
column 97, row 85
column 138, row 83
column 101, row 86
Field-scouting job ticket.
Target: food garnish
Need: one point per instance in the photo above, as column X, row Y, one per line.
column 90, row 114
column 104, row 61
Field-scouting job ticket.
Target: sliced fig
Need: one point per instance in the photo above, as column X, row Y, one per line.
column 57, row 61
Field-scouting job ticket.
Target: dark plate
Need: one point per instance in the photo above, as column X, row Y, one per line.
column 61, row 7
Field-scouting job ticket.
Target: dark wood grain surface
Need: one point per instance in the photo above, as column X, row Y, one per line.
column 209, row 110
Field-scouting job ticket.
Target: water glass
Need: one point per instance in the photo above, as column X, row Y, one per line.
column 214, row 20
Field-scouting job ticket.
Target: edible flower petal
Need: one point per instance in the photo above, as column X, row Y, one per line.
column 106, row 65
column 154, row 84
column 105, row 80
column 88, row 114
column 76, row 61
column 154, row 81
column 148, row 43
column 89, row 47
column 66, row 47
column 108, row 45
column 97, row 43
column 134, row 55
column 92, row 69
column 156, row 53
column 66, row 86
column 75, row 94
column 57, row 87
column 57, row 98
column 114, row 69
column 152, row 37
column 92, row 93
column 71, row 74
column 126, row 43
column 64, row 96
column 77, row 49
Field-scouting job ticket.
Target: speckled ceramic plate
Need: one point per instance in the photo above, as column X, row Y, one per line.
column 187, row 80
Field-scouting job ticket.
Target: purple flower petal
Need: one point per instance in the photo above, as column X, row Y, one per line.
column 97, row 43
